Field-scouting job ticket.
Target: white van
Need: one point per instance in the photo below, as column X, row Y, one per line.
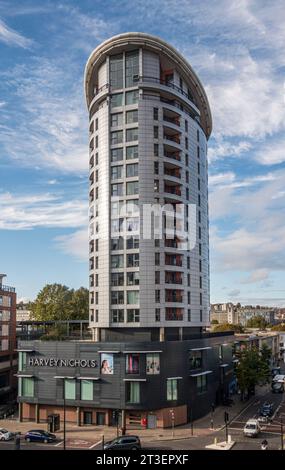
column 252, row 428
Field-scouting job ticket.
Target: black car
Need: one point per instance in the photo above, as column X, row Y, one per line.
column 123, row 443
column 39, row 435
column 266, row 409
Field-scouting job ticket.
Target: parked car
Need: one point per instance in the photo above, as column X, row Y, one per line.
column 123, row 443
column 277, row 387
column 6, row 435
column 252, row 428
column 39, row 435
column 266, row 409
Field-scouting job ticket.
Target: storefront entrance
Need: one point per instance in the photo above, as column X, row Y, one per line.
column 87, row 417
column 101, row 419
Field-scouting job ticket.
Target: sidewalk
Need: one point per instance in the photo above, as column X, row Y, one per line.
column 201, row 427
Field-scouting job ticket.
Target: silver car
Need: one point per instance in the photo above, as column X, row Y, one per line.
column 6, row 435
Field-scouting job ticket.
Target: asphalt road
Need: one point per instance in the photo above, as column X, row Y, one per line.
column 270, row 432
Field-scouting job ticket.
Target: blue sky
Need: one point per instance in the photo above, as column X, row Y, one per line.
column 237, row 49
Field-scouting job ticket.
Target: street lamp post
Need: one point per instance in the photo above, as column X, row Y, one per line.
column 281, row 430
column 172, row 421
column 64, row 416
column 64, row 410
column 212, row 415
column 226, row 423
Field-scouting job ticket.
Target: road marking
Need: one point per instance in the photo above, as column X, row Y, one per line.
column 94, row 445
column 58, row 444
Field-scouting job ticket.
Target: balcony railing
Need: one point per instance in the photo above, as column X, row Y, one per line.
column 160, row 81
column 7, row 288
column 172, row 155
column 174, row 298
column 173, row 261
column 172, row 190
column 172, row 120
column 173, row 172
column 172, row 138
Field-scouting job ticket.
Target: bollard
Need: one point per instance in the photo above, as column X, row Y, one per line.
column 229, row 439
column 216, row 441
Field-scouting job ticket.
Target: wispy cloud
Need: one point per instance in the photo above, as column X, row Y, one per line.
column 12, row 38
column 75, row 244
column 51, row 117
column 42, row 210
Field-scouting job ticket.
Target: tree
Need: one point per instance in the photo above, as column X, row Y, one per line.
column 280, row 327
column 257, row 322
column 57, row 302
column 214, row 322
column 252, row 369
column 79, row 304
column 228, row 327
column 266, row 353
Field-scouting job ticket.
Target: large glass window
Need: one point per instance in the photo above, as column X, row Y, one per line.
column 132, row 68
column 132, row 188
column 132, row 152
column 133, row 279
column 131, row 116
column 27, row 386
column 117, row 155
column 117, row 189
column 116, row 172
column 132, row 297
column 133, row 243
column 131, row 134
column 152, row 364
column 117, row 243
column 116, row 119
column 86, row 392
column 70, row 389
column 117, row 316
column 4, row 315
column 201, row 384
column 132, row 224
column 117, row 297
column 117, row 279
column 117, row 100
column 117, row 261
column 117, row 225
column 132, row 170
column 116, row 208
column 132, row 97
column 172, row 389
column 132, row 364
column 133, row 315
column 116, row 71
column 22, row 360
column 133, row 260
column 195, row 359
column 133, row 392
column 117, row 137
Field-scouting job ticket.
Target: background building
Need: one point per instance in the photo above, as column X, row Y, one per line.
column 149, row 124
column 23, row 313
column 8, row 356
column 224, row 313
column 238, row 314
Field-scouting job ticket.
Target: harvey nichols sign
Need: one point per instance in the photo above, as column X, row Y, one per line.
column 53, row 362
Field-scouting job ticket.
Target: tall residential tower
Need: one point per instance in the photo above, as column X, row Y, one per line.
column 149, row 124
column 150, row 362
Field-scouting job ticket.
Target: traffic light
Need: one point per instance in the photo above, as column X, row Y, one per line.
column 226, row 417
